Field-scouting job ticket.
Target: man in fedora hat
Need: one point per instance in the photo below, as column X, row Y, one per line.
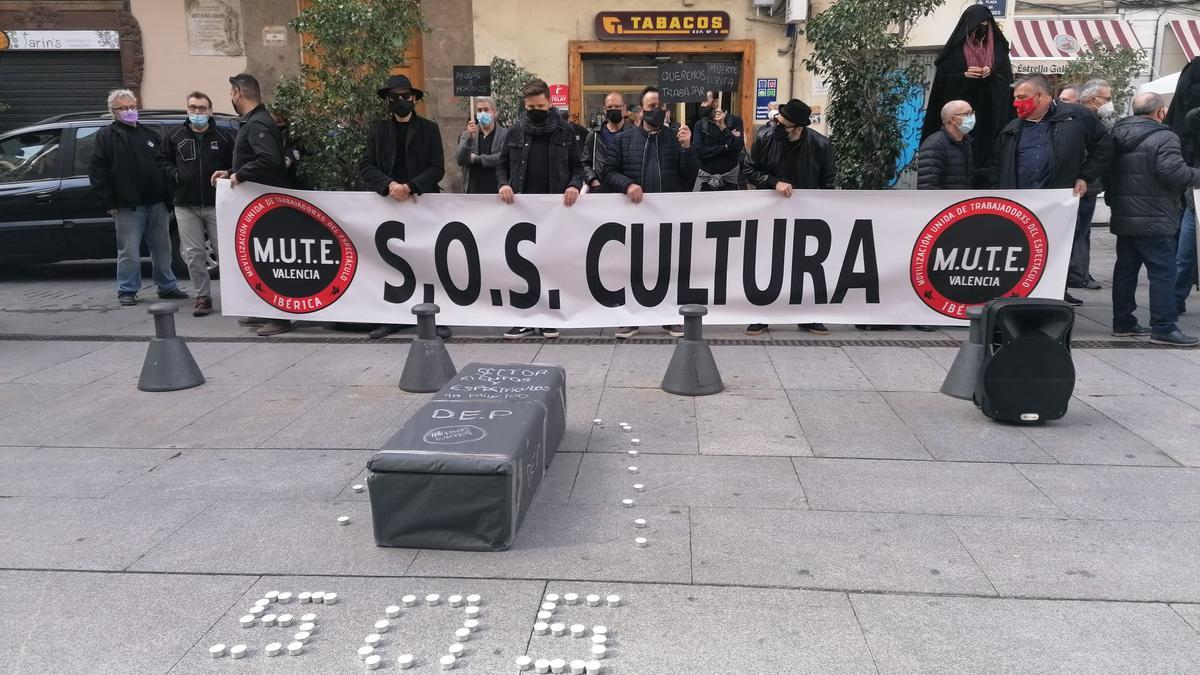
column 403, row 158
column 790, row 157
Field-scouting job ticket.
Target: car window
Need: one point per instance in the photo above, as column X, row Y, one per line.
column 29, row 157
column 85, row 145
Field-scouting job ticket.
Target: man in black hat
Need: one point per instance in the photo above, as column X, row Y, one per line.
column 791, row 157
column 403, row 158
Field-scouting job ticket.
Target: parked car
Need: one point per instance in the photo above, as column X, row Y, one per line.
column 47, row 210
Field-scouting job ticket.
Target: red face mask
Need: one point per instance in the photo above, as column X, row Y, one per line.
column 1024, row 107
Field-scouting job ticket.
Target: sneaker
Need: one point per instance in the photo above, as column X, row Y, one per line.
column 274, row 327
column 756, row 328
column 627, row 332
column 1092, row 285
column 674, row 330
column 814, row 328
column 127, row 299
column 202, row 306
column 1136, row 331
column 1175, row 339
column 548, row 333
column 1072, row 300
column 251, row 321
column 518, row 332
column 443, row 332
column 173, row 294
column 383, row 330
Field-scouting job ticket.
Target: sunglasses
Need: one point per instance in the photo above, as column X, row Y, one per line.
column 405, row 95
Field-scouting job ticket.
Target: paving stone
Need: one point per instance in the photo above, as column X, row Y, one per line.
column 687, row 480
column 582, row 406
column 912, row 634
column 1086, row 559
column 1120, row 493
column 891, row 486
column 664, row 423
column 1094, row 377
column 352, row 417
column 462, row 354
column 1084, row 436
column 335, row 364
column 745, row 367
column 822, row 549
column 132, row 418
column 898, row 368
column 559, row 479
column 956, row 430
column 639, row 365
column 206, row 354
column 586, row 365
column 749, row 422
column 817, row 368
column 1165, row 422
column 853, row 424
column 579, row 542
column 277, row 537
column 91, row 366
column 259, row 362
column 15, row 398
column 85, row 534
column 72, row 472
column 943, row 355
column 22, row 359
column 1162, row 369
column 1190, row 614
column 80, row 622
column 250, row 419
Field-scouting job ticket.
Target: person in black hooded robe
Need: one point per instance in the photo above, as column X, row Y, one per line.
column 974, row 67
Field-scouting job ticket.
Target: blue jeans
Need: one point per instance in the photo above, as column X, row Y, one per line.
column 1158, row 255
column 1185, row 258
column 1078, row 272
column 153, row 223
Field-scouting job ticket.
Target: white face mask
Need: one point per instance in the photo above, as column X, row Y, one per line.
column 771, row 114
column 1107, row 110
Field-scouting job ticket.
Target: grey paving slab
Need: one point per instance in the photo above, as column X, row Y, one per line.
column 639, row 365
column 559, row 479
column 15, row 398
column 259, row 362
column 898, row 368
column 817, row 368
column 955, row 430
column 910, row 634
column 91, row 366
column 664, row 423
column 85, row 534
column 682, row 630
column 333, row 364
column 277, row 537
column 1165, row 422
column 80, row 622
column 582, row 406
column 586, row 365
column 1084, row 436
column 1190, row 614
column 72, row 472
column 854, row 424
column 823, row 549
column 20, row 359
column 1164, row 369
column 351, row 417
column 425, row 632
column 462, row 354
column 250, row 419
column 689, row 480
column 579, row 542
column 892, row 486
column 1094, row 377
column 749, row 422
column 249, row 475
column 206, row 354
column 132, row 418
column 1086, row 559
column 745, row 367
column 1120, row 493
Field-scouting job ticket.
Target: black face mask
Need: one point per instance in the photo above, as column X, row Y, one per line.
column 980, row 32
column 655, row 118
column 537, row 116
column 400, row 107
column 706, row 111
column 782, row 133
column 613, row 115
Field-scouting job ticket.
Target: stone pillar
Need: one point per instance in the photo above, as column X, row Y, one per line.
column 451, row 42
column 269, row 62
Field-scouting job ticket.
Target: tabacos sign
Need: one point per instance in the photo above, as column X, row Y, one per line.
column 662, row 25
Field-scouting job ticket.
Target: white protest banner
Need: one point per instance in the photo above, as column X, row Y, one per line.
column 881, row 257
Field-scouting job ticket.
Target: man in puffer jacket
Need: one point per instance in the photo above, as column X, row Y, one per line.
column 1145, row 191
column 944, row 160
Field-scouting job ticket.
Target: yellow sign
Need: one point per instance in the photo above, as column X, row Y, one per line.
column 662, row 25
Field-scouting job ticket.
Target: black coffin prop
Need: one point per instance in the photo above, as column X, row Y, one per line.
column 1027, row 373
column 461, row 473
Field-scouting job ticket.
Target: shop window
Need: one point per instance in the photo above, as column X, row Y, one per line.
column 630, row 73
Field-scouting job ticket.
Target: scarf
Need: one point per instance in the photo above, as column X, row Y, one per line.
column 979, row 53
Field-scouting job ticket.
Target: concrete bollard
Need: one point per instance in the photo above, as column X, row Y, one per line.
column 964, row 372
column 693, row 370
column 429, row 365
column 169, row 365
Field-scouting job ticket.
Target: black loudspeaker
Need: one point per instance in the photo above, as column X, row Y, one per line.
column 1027, row 373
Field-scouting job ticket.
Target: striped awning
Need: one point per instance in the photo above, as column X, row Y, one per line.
column 1187, row 32
column 1066, row 38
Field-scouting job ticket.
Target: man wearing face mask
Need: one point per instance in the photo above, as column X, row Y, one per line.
column 791, row 157
column 479, row 149
column 1143, row 188
column 1095, row 95
column 945, row 160
column 601, row 138
column 1069, row 93
column 719, row 145
column 1050, row 145
column 651, row 158
column 403, row 158
column 128, row 180
column 194, row 150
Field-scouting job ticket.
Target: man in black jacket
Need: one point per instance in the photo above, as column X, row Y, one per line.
column 649, row 158
column 127, row 179
column 193, row 151
column 601, row 138
column 540, row 157
column 403, row 158
column 945, row 160
column 1144, row 190
column 1049, row 145
column 720, row 144
column 791, row 156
